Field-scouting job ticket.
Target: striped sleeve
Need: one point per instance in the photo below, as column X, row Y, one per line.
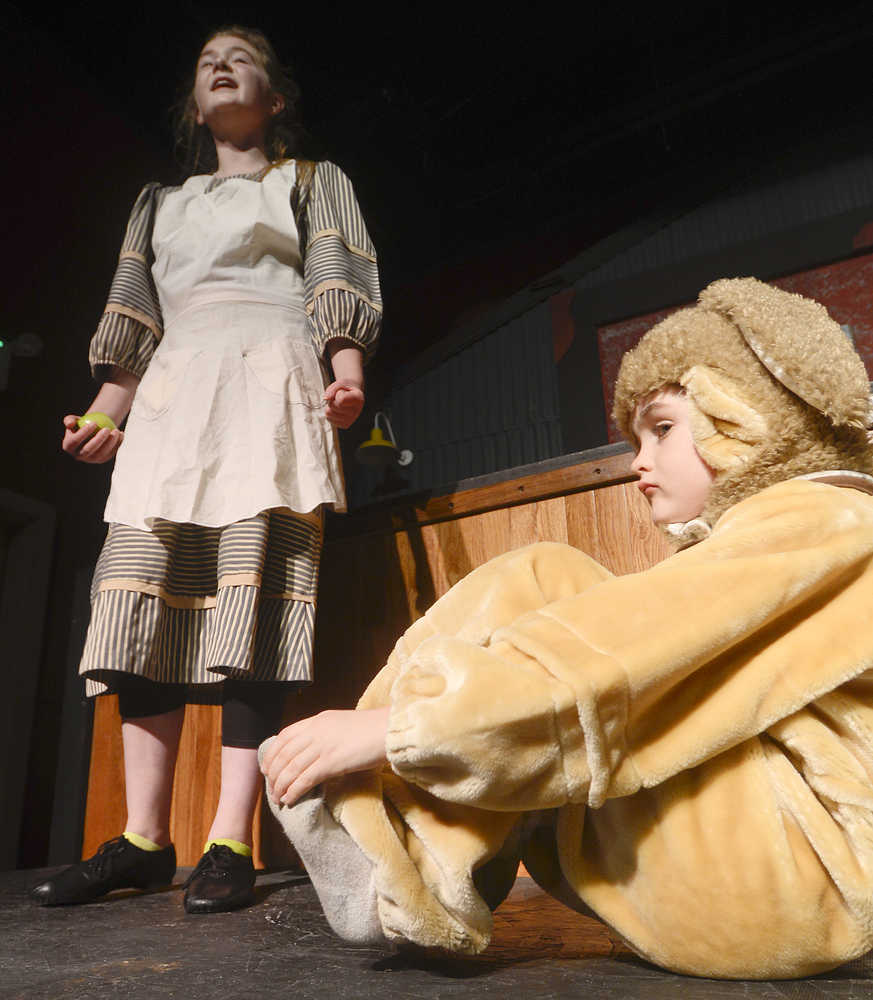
column 131, row 326
column 341, row 278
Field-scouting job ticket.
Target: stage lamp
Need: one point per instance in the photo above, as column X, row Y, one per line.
column 378, row 451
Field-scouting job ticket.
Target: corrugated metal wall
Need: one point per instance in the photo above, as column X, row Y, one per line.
column 780, row 205
column 492, row 406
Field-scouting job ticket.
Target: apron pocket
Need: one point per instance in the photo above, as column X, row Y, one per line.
column 161, row 382
column 287, row 368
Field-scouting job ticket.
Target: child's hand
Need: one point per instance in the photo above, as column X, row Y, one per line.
column 89, row 443
column 324, row 746
column 345, row 400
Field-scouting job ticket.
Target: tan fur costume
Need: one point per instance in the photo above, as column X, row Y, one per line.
column 688, row 751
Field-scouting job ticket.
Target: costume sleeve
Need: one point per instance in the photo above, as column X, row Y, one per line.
column 639, row 677
column 131, row 326
column 340, row 274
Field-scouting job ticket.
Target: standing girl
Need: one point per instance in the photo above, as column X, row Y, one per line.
column 234, row 295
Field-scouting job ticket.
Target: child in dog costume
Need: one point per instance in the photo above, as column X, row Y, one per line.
column 686, row 751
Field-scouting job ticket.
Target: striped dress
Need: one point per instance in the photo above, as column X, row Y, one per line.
column 210, row 566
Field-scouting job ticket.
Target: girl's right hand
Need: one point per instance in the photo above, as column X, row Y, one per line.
column 90, row 443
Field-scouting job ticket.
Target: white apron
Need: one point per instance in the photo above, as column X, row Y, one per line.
column 229, row 418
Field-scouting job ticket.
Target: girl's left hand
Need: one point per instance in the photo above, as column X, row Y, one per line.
column 345, row 400
column 324, row 746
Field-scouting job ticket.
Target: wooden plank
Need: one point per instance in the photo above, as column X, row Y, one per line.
column 583, row 529
column 488, row 535
column 611, row 513
column 629, row 542
column 426, row 509
column 647, row 544
column 448, row 552
column 554, row 520
column 105, row 811
column 412, row 558
column 558, row 482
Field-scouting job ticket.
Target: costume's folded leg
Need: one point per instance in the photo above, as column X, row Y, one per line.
column 385, row 853
column 341, row 874
column 425, row 852
column 379, row 880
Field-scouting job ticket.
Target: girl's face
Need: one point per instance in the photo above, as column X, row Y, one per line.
column 673, row 477
column 231, row 81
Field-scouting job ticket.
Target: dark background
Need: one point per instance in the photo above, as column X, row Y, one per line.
column 487, row 147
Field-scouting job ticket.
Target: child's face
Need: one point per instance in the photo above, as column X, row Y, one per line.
column 230, row 79
column 673, row 477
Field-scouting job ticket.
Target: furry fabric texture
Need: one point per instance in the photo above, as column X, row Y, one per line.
column 704, row 730
column 775, row 387
column 688, row 751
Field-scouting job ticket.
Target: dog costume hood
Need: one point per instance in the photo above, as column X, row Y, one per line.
column 776, row 389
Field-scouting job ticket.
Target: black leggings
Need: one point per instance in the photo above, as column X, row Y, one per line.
column 251, row 710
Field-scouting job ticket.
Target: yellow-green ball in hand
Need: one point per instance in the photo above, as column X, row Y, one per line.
column 100, row 419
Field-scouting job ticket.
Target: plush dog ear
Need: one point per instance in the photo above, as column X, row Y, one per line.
column 724, row 426
column 800, row 345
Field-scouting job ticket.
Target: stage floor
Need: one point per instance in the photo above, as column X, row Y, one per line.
column 144, row 947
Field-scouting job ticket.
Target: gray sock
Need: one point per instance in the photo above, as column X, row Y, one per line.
column 340, row 872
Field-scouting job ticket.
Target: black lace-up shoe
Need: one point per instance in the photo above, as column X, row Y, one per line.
column 222, row 880
column 118, row 864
